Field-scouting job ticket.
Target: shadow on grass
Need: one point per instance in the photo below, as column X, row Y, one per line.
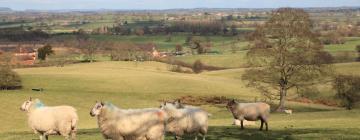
column 235, row 133
column 220, row 133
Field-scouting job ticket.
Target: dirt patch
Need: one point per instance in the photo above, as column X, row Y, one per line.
column 183, row 64
column 326, row 102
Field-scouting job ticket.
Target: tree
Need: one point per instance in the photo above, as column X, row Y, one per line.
column 285, row 54
column 89, row 48
column 147, row 30
column 234, row 30
column 178, row 48
column 200, row 45
column 348, row 89
column 122, row 51
column 6, row 59
column 358, row 51
column 86, row 45
column 9, row 79
column 43, row 52
column 198, row 66
column 188, row 40
column 139, row 31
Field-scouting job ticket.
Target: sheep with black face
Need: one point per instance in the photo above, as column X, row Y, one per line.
column 250, row 112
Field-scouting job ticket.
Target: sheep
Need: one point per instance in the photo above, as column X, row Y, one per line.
column 288, row 111
column 185, row 119
column 44, row 120
column 250, row 112
column 130, row 124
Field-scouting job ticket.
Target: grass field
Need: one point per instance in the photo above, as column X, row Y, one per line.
column 140, row 85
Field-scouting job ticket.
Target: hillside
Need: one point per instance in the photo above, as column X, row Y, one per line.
column 139, row 85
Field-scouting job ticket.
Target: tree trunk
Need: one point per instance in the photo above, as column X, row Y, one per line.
column 281, row 106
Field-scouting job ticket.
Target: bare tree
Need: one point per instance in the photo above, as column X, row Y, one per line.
column 285, row 54
column 347, row 89
column 88, row 46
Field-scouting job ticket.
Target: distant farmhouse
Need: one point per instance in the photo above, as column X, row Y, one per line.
column 23, row 55
column 151, row 50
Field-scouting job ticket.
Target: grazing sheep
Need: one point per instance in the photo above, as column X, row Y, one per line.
column 288, row 111
column 57, row 120
column 185, row 119
column 250, row 112
column 137, row 124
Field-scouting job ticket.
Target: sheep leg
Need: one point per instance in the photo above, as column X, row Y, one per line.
column 44, row 136
column 242, row 124
column 73, row 135
column 262, row 124
column 264, row 120
column 196, row 135
column 266, row 125
column 203, row 136
column 203, row 132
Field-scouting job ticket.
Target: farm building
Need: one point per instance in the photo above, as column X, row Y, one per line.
column 151, row 50
column 22, row 55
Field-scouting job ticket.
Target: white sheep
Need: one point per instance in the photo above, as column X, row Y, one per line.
column 250, row 112
column 44, row 120
column 185, row 120
column 288, row 111
column 130, row 124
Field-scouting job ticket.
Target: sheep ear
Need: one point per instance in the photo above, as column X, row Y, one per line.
column 178, row 101
column 102, row 103
column 30, row 99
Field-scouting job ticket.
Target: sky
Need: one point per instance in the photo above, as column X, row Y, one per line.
column 169, row 4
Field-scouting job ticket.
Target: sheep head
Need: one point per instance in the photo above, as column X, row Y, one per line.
column 95, row 111
column 172, row 105
column 178, row 104
column 231, row 105
column 26, row 105
column 167, row 105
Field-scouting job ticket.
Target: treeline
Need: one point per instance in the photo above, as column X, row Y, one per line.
column 19, row 34
column 198, row 27
column 191, row 27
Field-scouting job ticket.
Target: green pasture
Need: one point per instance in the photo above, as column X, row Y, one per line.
column 144, row 84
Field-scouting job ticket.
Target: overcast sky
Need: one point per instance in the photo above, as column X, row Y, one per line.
column 169, row 4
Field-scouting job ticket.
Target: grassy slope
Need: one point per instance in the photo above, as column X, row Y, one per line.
column 137, row 85
column 125, row 84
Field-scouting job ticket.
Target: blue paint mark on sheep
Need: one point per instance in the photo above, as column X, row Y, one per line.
column 110, row 106
column 39, row 104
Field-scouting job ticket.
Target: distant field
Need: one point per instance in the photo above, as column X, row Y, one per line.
column 349, row 45
column 139, row 85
